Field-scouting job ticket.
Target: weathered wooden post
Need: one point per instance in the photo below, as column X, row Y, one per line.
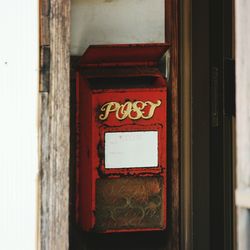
column 54, row 124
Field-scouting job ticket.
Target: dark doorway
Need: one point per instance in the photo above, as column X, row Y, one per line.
column 213, row 110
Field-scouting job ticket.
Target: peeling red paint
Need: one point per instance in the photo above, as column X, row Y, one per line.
column 118, row 87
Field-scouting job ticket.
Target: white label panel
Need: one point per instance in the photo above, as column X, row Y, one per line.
column 131, row 149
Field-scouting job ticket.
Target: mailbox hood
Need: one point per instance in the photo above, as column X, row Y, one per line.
column 123, row 55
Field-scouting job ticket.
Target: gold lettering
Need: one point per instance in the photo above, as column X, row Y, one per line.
column 108, row 108
column 152, row 109
column 133, row 110
column 136, row 109
column 124, row 110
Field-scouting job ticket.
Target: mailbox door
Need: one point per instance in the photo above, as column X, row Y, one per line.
column 129, row 159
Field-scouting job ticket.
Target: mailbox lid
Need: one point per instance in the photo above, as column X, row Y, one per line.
column 123, row 55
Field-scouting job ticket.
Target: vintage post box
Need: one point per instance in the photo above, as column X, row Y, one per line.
column 122, row 129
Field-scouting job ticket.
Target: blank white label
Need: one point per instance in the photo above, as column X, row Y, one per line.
column 131, row 149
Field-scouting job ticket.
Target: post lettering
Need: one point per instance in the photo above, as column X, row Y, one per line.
column 132, row 110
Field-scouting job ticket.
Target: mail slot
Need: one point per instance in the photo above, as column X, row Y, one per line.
column 121, row 128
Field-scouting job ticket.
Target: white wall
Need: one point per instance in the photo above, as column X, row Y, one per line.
column 18, row 125
column 243, row 123
column 115, row 21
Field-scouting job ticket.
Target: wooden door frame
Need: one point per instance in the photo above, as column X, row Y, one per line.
column 172, row 34
column 194, row 124
column 54, row 126
column 185, row 125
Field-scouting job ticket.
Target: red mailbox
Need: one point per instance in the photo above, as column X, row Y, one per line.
column 122, row 118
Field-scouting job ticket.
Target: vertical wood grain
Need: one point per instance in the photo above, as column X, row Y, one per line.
column 54, row 132
column 172, row 35
column 185, row 127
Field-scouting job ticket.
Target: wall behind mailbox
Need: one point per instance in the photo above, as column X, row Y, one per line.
column 115, row 21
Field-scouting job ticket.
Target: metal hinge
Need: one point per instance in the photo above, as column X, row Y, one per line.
column 44, row 69
column 215, row 97
column 229, row 87
column 44, row 46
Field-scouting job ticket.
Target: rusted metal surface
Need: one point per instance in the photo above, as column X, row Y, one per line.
column 129, row 202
